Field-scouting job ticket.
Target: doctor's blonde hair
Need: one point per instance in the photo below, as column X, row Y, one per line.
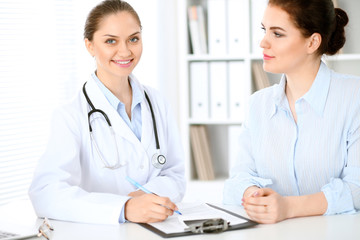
column 104, row 9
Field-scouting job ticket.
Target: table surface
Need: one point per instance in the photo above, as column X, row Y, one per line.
column 319, row 227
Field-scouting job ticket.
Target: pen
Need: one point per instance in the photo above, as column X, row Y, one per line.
column 138, row 185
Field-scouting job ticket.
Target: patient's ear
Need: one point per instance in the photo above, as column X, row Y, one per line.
column 314, row 42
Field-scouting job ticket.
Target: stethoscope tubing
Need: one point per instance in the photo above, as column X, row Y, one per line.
column 93, row 110
column 154, row 122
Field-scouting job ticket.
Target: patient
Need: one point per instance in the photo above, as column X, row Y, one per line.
column 299, row 152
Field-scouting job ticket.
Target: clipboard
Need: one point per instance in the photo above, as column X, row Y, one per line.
column 247, row 224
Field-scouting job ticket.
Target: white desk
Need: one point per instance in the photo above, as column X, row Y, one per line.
column 321, row 227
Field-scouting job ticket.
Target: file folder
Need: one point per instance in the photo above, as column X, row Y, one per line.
column 197, row 29
column 199, row 90
column 257, row 12
column 239, row 89
column 238, row 27
column 218, row 90
column 217, row 27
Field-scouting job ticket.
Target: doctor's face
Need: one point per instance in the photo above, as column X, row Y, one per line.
column 284, row 46
column 116, row 45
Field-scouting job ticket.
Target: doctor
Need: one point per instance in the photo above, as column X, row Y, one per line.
column 114, row 127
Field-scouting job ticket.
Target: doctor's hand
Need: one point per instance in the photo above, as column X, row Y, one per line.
column 266, row 206
column 137, row 193
column 149, row 208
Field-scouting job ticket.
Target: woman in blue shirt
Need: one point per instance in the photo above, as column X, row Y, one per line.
column 300, row 147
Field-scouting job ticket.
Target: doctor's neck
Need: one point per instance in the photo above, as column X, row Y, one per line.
column 119, row 86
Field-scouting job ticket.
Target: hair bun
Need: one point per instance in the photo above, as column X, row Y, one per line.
column 341, row 17
column 337, row 39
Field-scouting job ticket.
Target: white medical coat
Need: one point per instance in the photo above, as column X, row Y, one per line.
column 71, row 183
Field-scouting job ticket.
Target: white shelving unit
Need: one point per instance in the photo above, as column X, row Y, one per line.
column 346, row 62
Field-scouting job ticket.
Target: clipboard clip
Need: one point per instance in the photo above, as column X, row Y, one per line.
column 215, row 225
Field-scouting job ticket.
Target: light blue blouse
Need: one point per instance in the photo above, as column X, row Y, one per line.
column 321, row 152
column 135, row 124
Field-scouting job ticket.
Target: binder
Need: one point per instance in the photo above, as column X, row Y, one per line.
column 199, row 90
column 197, row 29
column 261, row 79
column 335, row 2
column 205, row 148
column 248, row 223
column 197, row 153
column 201, row 153
column 238, row 29
column 216, row 27
column 257, row 12
column 202, row 29
column 193, row 29
column 239, row 89
column 218, row 90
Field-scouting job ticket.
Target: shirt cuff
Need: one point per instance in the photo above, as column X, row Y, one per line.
column 338, row 196
column 122, row 214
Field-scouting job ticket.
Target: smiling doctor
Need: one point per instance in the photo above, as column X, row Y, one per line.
column 114, row 128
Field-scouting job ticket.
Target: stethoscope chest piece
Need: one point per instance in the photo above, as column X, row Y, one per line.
column 158, row 160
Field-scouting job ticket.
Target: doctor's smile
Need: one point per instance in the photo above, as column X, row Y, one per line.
column 123, row 63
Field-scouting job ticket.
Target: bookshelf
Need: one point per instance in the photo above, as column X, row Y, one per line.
column 223, row 129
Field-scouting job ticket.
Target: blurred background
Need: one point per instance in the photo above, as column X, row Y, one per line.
column 43, row 63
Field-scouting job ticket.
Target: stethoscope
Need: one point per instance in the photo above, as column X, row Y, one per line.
column 158, row 160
